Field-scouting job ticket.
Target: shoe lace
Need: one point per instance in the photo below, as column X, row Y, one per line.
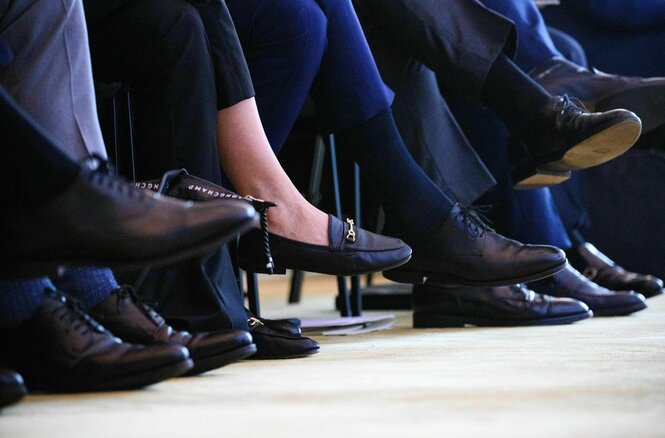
column 146, row 305
column 570, row 106
column 474, row 220
column 114, row 184
column 525, row 292
column 73, row 314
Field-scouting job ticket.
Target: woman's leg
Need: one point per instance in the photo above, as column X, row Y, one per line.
column 253, row 169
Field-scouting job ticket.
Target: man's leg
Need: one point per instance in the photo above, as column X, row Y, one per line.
column 55, row 34
column 426, row 123
column 25, row 142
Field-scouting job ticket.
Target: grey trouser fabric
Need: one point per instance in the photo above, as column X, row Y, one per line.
column 458, row 39
column 427, row 125
column 50, row 74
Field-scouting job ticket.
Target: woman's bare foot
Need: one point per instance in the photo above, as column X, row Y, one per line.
column 297, row 219
column 252, row 167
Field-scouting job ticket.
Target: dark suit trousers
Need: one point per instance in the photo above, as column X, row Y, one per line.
column 160, row 50
column 427, row 125
column 457, row 39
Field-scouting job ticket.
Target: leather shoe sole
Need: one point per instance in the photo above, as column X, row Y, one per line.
column 12, row 391
column 621, row 310
column 600, row 148
column 401, row 275
column 131, row 381
column 427, row 320
column 201, row 365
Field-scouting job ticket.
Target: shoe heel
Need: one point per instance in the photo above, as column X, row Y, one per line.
column 530, row 176
column 401, row 276
column 259, row 268
column 428, row 320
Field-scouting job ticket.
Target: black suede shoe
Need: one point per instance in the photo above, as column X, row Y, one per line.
column 598, row 268
column 603, row 302
column 352, row 251
column 603, row 92
column 62, row 349
column 466, row 252
column 12, row 388
column 121, row 227
column 286, row 325
column 576, row 139
column 272, row 344
column 132, row 320
column 439, row 306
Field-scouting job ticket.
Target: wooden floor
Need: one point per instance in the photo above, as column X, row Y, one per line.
column 602, row 377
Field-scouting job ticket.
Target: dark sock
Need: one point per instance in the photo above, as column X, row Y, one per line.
column 34, row 170
column 20, row 300
column 90, row 286
column 516, row 98
column 412, row 202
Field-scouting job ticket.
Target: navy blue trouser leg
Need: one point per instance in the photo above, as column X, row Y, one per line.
column 297, row 46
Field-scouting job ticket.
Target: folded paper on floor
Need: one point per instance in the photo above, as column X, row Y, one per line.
column 350, row 325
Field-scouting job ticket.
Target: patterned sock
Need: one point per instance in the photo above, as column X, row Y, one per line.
column 90, row 286
column 20, row 300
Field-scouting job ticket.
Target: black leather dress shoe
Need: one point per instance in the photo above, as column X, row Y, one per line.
column 272, row 344
column 576, row 139
column 603, row 302
column 438, row 306
column 466, row 252
column 63, row 349
column 598, row 268
column 352, row 251
column 121, row 227
column 603, row 92
column 132, row 320
column 12, row 388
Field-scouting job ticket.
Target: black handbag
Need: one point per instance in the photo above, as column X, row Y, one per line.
column 201, row 294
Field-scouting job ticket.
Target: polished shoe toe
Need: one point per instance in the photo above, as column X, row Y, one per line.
column 12, row 388
column 600, row 269
column 212, row 350
column 603, row 302
column 272, row 344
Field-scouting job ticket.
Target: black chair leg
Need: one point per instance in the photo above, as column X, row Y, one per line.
column 356, row 294
column 253, row 293
column 344, row 299
column 296, row 287
column 314, row 197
